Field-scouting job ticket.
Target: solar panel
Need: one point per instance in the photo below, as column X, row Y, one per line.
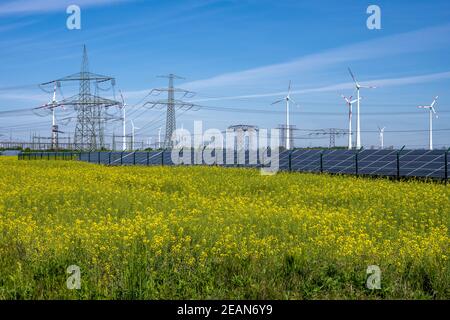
column 422, row 163
column 339, row 161
column 306, row 160
column 377, row 162
column 412, row 163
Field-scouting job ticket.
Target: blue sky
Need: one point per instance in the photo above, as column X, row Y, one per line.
column 238, row 54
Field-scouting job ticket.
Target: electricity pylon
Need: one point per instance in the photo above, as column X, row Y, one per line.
column 332, row 133
column 89, row 130
column 172, row 104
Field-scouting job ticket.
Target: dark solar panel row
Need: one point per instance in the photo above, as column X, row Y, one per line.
column 407, row 163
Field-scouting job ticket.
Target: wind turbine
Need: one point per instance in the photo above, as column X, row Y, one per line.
column 54, row 103
column 358, row 119
column 149, row 142
column 133, row 130
column 52, row 106
column 350, row 103
column 287, row 99
column 431, row 111
column 381, row 132
column 124, row 128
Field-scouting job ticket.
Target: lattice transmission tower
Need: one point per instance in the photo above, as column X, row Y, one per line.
column 90, row 108
column 172, row 104
column 332, row 133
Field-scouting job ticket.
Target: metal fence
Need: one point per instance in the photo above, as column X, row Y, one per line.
column 49, row 156
column 389, row 163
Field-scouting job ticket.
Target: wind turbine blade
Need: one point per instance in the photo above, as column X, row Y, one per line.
column 346, row 99
column 290, row 99
column 368, row 87
column 289, row 88
column 278, row 101
column 434, row 101
column 352, row 75
column 121, row 96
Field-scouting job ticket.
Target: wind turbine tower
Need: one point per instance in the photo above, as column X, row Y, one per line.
column 350, row 103
column 288, row 99
column 52, row 106
column 358, row 118
column 133, row 134
column 159, row 138
column 55, row 129
column 431, row 112
column 381, row 133
column 124, row 123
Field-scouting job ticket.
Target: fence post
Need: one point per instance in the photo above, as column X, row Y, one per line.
column 98, row 160
column 109, row 158
column 148, row 158
column 446, row 165
column 134, row 158
column 321, row 162
column 162, row 158
column 121, row 158
column 290, row 160
column 398, row 162
column 89, row 156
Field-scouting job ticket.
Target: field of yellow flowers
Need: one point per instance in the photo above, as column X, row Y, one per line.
column 209, row 232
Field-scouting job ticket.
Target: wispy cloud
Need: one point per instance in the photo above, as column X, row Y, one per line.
column 380, row 83
column 14, row 26
column 410, row 42
column 39, row 6
column 33, row 99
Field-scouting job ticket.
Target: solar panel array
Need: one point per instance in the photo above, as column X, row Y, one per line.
column 393, row 163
